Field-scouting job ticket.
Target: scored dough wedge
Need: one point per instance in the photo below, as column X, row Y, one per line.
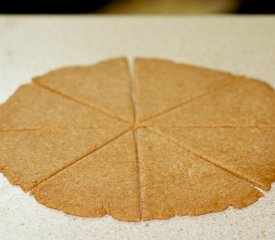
column 244, row 103
column 105, row 86
column 32, row 107
column 176, row 182
column 162, row 84
column 246, row 152
column 104, row 182
column 29, row 157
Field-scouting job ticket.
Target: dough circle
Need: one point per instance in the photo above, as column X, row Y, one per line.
column 176, row 140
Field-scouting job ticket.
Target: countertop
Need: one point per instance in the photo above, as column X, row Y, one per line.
column 33, row 45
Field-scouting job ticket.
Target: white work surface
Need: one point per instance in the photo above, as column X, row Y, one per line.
column 34, row 45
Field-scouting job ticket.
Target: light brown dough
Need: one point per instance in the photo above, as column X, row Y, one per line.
column 180, row 140
column 177, row 182
column 247, row 103
column 105, row 86
column 29, row 157
column 102, row 183
column 162, row 84
column 32, row 107
column 246, row 152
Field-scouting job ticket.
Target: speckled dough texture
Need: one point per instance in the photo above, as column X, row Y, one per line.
column 177, row 140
